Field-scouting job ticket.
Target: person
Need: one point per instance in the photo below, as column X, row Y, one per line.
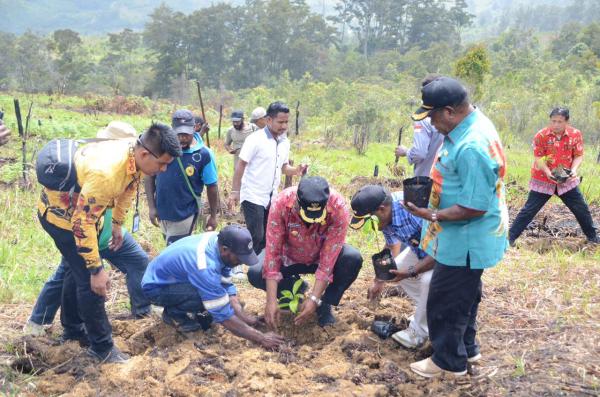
column 237, row 134
column 130, row 259
column 557, row 146
column 466, row 224
column 259, row 118
column 426, row 142
column 194, row 275
column 402, row 232
column 108, row 175
column 263, row 158
column 201, row 127
column 4, row 133
column 306, row 234
column 174, row 196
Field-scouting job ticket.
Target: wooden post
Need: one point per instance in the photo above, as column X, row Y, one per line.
column 220, row 119
column 288, row 179
column 202, row 110
column 376, row 171
column 23, row 137
column 297, row 117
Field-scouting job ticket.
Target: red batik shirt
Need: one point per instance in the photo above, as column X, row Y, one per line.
column 557, row 150
column 291, row 241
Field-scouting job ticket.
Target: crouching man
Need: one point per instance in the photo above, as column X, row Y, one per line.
column 306, row 233
column 193, row 275
column 402, row 232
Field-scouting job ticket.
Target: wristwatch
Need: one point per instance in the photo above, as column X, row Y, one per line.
column 96, row 270
column 318, row 301
column 434, row 217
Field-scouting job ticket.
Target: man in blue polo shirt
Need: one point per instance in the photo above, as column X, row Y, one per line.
column 402, row 232
column 174, row 197
column 466, row 223
column 194, row 275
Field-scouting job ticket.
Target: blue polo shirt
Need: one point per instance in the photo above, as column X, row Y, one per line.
column 174, row 201
column 195, row 260
column 469, row 172
column 405, row 227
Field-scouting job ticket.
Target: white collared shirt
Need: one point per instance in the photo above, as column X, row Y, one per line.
column 265, row 156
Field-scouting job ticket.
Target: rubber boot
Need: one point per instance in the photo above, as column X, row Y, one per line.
column 324, row 315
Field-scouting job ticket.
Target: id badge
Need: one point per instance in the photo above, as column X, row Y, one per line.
column 136, row 223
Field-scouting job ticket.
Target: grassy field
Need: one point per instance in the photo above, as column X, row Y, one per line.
column 549, row 285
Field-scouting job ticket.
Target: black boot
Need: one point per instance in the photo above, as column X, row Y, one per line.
column 324, row 315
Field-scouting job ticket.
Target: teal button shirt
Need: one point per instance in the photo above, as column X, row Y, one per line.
column 469, row 172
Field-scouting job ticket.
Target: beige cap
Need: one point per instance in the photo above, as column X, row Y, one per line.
column 258, row 113
column 117, row 130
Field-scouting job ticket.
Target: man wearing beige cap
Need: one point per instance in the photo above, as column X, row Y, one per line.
column 258, row 118
column 237, row 134
column 130, row 259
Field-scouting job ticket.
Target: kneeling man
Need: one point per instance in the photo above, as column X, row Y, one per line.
column 193, row 275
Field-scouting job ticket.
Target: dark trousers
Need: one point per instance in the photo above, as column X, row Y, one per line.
column 177, row 299
column 573, row 199
column 454, row 296
column 79, row 302
column 256, row 221
column 346, row 270
column 130, row 259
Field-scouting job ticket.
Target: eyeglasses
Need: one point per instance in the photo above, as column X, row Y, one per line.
column 139, row 140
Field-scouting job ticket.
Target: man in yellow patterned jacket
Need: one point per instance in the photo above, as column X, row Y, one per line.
column 108, row 176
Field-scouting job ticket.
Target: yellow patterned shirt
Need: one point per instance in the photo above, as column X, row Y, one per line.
column 108, row 178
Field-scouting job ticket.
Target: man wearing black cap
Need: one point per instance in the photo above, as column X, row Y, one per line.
column 201, row 127
column 465, row 226
column 237, row 134
column 414, row 266
column 174, row 197
column 194, row 275
column 306, row 233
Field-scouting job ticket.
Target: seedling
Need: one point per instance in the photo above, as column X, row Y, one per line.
column 293, row 297
column 371, row 228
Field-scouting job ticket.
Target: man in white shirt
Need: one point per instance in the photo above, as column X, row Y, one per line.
column 263, row 158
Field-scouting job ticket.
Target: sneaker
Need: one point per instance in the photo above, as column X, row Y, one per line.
column 409, row 338
column 325, row 317
column 83, row 340
column 595, row 240
column 33, row 329
column 428, row 369
column 182, row 323
column 113, row 356
column 474, row 359
column 205, row 319
column 512, row 243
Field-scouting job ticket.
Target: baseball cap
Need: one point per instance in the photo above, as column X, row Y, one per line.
column 237, row 115
column 117, row 130
column 441, row 92
column 313, row 194
column 365, row 202
column 183, row 122
column 238, row 239
column 198, row 120
column 258, row 113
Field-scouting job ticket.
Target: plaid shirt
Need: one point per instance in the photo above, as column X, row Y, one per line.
column 290, row 241
column 405, row 227
column 556, row 151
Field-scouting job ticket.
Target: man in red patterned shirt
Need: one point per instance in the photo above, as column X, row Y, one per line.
column 558, row 146
column 306, row 233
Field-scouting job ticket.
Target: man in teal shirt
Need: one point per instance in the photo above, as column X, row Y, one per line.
column 465, row 226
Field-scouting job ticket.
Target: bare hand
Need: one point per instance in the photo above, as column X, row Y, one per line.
column 307, row 311
column 375, row 290
column 117, row 238
column 4, row 134
column 420, row 212
column 302, row 169
column 211, row 223
column 272, row 314
column 100, row 283
column 153, row 215
column 401, row 151
column 272, row 340
column 234, row 200
column 573, row 175
column 400, row 275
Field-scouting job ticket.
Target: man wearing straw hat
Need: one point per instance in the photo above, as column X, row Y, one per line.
column 131, row 259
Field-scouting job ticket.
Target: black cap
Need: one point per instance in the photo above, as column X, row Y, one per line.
column 198, row 120
column 365, row 202
column 441, row 92
column 237, row 115
column 183, row 122
column 238, row 239
column 313, row 194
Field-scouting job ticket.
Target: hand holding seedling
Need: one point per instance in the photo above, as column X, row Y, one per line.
column 271, row 340
column 307, row 310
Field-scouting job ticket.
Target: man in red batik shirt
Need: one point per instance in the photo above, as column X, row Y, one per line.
column 306, row 233
column 557, row 146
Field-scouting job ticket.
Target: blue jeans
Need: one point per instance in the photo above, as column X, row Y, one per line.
column 177, row 299
column 130, row 259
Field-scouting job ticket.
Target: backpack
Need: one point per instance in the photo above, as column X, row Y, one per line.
column 55, row 165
